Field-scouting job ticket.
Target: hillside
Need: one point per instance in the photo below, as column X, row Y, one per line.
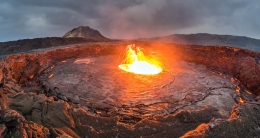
column 209, row 40
column 25, row 45
column 86, row 34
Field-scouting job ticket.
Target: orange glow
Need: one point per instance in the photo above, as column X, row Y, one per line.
column 136, row 62
column 50, row 76
column 248, row 92
column 85, row 60
column 241, row 100
column 31, row 76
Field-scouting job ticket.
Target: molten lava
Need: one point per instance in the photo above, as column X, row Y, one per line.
column 136, row 62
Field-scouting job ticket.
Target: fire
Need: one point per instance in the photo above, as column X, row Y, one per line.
column 136, row 62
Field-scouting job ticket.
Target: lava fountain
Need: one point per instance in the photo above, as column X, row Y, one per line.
column 136, row 62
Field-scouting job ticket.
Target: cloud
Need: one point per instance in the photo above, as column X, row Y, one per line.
column 128, row 18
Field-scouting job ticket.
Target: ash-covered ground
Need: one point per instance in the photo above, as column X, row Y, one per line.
column 79, row 91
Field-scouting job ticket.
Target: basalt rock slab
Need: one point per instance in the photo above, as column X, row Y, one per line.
column 31, row 106
column 56, row 118
column 243, row 122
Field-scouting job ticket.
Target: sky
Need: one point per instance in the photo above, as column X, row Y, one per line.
column 22, row 19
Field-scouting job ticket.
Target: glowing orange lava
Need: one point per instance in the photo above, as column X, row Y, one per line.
column 136, row 62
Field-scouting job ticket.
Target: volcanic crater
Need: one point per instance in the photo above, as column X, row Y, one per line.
column 80, row 91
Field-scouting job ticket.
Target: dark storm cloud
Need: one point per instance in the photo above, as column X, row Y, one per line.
column 128, row 18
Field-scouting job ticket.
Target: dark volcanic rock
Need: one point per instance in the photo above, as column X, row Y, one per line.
column 243, row 123
column 3, row 130
column 85, row 32
column 241, row 64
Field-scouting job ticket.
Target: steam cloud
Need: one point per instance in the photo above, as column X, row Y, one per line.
column 128, row 18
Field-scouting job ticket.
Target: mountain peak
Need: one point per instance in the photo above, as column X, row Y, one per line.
column 85, row 32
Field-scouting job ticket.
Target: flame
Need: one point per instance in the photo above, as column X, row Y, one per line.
column 136, row 62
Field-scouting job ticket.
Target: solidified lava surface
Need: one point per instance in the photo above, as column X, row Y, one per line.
column 79, row 91
column 96, row 82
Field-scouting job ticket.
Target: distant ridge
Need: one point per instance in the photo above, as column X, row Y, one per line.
column 25, row 45
column 85, row 32
column 209, row 40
